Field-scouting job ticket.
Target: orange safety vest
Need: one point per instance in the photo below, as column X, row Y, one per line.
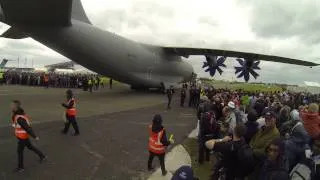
column 19, row 131
column 72, row 111
column 46, row 78
column 155, row 144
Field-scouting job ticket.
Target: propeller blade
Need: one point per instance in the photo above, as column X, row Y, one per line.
column 241, row 74
column 219, row 70
column 255, row 65
column 238, row 69
column 204, row 64
column 221, row 60
column 207, row 70
column 253, row 73
column 223, row 65
column 241, row 62
column 246, row 76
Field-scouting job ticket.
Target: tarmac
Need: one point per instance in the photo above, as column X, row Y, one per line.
column 113, row 126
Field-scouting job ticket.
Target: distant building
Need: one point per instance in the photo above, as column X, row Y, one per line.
column 310, row 87
column 68, row 67
column 63, row 65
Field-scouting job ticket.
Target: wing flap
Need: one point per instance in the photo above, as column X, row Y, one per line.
column 185, row 52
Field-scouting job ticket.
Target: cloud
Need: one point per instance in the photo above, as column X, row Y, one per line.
column 286, row 19
column 283, row 28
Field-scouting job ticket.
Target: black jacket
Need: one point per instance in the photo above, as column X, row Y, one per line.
column 68, row 105
column 252, row 129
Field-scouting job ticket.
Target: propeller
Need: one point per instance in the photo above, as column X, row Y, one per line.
column 213, row 64
column 247, row 67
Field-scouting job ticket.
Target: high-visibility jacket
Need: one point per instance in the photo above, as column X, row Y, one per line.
column 1, row 75
column 155, row 144
column 90, row 82
column 46, row 78
column 72, row 111
column 19, row 131
column 202, row 92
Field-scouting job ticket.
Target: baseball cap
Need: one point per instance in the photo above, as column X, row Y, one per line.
column 231, row 105
column 183, row 173
column 270, row 113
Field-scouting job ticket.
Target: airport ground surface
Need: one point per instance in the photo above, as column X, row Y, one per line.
column 113, row 126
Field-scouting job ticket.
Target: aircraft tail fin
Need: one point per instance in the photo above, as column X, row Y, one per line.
column 78, row 12
column 3, row 63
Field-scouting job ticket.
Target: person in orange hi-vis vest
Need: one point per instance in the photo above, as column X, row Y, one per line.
column 71, row 113
column 157, row 143
column 46, row 80
column 22, row 129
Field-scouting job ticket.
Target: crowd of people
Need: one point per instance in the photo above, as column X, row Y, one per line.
column 260, row 135
column 272, row 135
column 58, row 80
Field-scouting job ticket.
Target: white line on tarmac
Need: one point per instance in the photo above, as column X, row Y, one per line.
column 97, row 163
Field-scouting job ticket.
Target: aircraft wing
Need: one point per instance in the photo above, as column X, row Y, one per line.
column 186, row 52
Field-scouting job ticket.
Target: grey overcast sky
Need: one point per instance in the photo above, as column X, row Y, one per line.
column 283, row 28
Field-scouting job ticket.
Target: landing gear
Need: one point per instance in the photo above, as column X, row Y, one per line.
column 162, row 88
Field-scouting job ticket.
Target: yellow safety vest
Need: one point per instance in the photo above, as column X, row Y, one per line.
column 1, row 75
column 202, row 93
column 89, row 82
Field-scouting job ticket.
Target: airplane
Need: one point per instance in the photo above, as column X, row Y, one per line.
column 3, row 63
column 63, row 26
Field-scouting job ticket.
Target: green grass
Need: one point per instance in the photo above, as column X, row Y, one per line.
column 245, row 86
column 204, row 171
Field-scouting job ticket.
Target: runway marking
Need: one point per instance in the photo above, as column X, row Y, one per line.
column 90, row 151
column 97, row 163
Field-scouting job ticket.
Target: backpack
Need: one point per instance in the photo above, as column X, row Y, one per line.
column 244, row 154
column 239, row 117
column 305, row 170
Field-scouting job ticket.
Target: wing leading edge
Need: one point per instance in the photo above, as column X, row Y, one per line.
column 185, row 52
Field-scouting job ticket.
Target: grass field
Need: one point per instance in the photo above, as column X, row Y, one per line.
column 244, row 86
column 204, row 171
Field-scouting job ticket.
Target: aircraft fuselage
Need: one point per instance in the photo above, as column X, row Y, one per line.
column 111, row 55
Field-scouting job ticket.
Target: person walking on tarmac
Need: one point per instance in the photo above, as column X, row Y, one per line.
column 90, row 84
column 157, row 143
column 70, row 113
column 182, row 97
column 110, row 83
column 21, row 125
column 170, row 92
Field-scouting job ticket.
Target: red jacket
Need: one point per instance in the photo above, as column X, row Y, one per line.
column 312, row 124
